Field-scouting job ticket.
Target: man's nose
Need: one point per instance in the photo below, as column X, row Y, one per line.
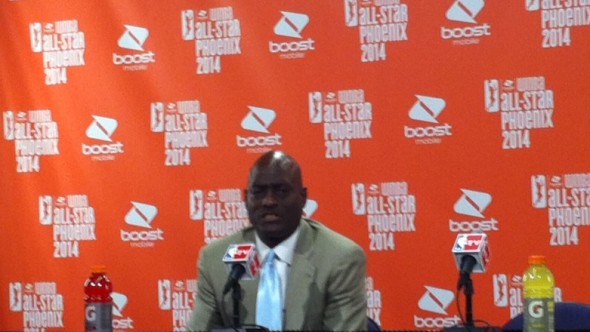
column 269, row 198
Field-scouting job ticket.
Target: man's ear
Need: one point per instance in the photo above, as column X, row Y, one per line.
column 304, row 193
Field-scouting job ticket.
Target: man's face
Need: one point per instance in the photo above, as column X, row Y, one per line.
column 274, row 199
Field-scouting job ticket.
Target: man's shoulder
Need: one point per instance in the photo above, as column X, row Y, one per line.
column 328, row 236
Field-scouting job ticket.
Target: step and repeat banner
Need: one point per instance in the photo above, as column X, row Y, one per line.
column 128, row 129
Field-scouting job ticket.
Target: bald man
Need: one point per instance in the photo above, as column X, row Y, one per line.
column 322, row 272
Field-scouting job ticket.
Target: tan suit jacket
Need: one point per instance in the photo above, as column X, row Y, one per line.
column 325, row 287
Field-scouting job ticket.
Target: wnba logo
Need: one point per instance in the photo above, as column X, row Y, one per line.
column 539, row 191
column 358, row 199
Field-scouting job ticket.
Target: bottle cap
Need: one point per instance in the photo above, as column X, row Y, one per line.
column 537, row 259
column 99, row 268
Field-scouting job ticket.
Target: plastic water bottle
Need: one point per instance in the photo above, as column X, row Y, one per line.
column 539, row 306
column 99, row 303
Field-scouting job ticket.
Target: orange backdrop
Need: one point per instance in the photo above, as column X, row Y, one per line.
column 128, row 128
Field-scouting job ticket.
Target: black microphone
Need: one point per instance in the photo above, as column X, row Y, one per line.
column 237, row 271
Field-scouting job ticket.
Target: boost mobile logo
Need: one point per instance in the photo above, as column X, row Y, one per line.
column 532, row 5
column 436, row 300
column 102, row 128
column 119, row 303
column 133, row 38
column 259, row 120
column 465, row 10
column 427, row 109
column 291, row 24
column 310, row 207
column 473, row 203
column 141, row 215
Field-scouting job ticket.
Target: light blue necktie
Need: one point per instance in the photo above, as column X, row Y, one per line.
column 269, row 307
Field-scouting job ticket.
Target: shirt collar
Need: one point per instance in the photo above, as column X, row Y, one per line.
column 283, row 250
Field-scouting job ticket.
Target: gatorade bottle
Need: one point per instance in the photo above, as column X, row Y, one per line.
column 99, row 303
column 539, row 306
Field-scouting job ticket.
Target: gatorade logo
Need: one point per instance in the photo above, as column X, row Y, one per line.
column 90, row 313
column 536, row 309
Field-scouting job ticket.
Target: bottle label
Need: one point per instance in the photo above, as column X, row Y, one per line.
column 539, row 315
column 99, row 317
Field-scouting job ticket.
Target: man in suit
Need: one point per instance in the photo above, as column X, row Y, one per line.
column 322, row 272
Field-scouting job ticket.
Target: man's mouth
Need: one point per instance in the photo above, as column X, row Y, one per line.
column 270, row 217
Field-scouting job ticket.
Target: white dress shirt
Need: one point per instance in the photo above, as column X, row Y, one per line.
column 284, row 252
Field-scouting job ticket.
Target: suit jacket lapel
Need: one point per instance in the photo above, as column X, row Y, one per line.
column 301, row 277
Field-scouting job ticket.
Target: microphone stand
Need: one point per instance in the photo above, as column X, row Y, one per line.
column 468, row 284
column 236, row 296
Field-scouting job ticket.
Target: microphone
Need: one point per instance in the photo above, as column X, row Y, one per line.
column 472, row 253
column 241, row 262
